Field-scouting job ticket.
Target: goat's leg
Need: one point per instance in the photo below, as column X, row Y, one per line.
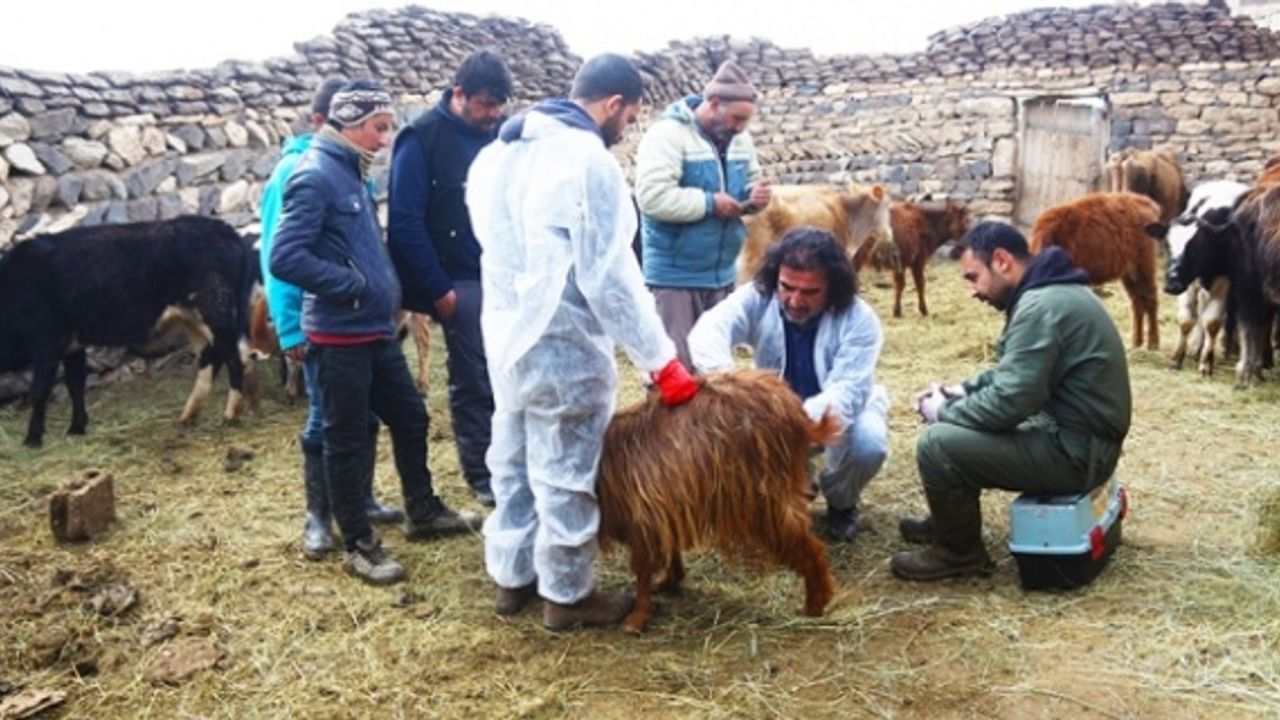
column 808, row 557
column 643, row 567
column 675, row 575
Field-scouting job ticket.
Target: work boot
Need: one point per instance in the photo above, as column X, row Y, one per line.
column 956, row 549
column 317, row 538
column 513, row 600
column 842, row 524
column 369, row 563
column 377, row 513
column 434, row 519
column 595, row 609
column 916, row 530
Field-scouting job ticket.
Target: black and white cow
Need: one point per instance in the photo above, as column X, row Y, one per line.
column 137, row 286
column 1202, row 308
column 1228, row 243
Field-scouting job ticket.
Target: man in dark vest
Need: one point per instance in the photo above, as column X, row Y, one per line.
column 434, row 250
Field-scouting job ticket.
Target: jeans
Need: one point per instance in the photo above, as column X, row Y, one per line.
column 353, row 381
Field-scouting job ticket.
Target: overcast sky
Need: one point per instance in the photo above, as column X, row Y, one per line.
column 142, row 35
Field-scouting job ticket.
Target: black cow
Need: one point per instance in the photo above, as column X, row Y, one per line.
column 1225, row 245
column 136, row 286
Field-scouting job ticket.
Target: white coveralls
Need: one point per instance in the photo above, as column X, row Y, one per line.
column 554, row 219
column 846, row 351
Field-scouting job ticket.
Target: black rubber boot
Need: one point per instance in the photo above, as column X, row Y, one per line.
column 842, row 524
column 916, row 530
column 957, row 548
column 317, row 538
column 377, row 513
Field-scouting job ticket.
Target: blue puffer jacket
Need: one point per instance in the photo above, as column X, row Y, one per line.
column 329, row 244
column 678, row 171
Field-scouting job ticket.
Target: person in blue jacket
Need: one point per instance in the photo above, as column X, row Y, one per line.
column 434, row 249
column 697, row 175
column 328, row 242
column 284, row 302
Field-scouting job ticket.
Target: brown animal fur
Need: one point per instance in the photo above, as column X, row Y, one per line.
column 1154, row 173
column 918, row 230
column 855, row 216
column 1108, row 235
column 725, row 470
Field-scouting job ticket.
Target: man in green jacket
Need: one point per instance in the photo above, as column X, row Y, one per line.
column 1049, row 418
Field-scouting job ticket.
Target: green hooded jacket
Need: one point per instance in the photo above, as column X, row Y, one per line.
column 1061, row 364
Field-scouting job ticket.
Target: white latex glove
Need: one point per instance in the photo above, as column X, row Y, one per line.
column 953, row 392
column 930, row 405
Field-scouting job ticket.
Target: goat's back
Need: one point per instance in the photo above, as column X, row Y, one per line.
column 722, row 469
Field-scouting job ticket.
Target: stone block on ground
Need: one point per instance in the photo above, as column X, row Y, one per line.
column 84, row 507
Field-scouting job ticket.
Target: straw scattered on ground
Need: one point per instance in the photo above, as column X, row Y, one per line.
column 1184, row 623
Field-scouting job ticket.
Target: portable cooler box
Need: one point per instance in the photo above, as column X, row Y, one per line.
column 1062, row 542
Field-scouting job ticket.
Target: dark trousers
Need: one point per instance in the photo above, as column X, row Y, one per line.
column 470, row 397
column 354, row 381
column 1028, row 459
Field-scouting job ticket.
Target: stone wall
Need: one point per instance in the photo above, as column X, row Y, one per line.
column 115, row 147
column 1189, row 78
column 81, row 149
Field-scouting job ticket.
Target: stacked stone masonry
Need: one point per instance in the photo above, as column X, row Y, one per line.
column 81, row 149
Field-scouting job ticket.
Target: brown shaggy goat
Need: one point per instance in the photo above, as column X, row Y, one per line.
column 1110, row 236
column 918, row 230
column 725, row 470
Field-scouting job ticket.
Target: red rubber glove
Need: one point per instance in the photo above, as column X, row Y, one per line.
column 675, row 384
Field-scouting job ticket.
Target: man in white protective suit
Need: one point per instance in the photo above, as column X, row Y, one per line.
column 553, row 216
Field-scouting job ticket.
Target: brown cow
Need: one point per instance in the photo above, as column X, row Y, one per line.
column 918, row 230
column 263, row 343
column 1110, row 236
column 855, row 216
column 1154, row 173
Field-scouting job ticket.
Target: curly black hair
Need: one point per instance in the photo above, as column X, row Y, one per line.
column 810, row 248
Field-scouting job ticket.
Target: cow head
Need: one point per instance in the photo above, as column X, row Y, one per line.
column 867, row 210
column 955, row 221
column 1198, row 248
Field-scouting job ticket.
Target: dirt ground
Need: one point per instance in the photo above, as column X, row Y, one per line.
column 1184, row 623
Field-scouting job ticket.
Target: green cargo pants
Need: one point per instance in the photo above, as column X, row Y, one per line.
column 1029, row 459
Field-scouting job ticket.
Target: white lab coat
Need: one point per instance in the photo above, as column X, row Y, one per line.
column 554, row 219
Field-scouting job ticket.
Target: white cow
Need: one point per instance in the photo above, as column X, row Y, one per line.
column 1201, row 311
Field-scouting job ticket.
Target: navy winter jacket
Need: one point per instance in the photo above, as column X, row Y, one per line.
column 329, row 244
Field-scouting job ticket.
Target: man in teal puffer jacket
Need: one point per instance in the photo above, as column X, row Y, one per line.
column 1049, row 418
column 696, row 176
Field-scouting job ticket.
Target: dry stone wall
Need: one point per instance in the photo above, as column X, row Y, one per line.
column 82, row 149
column 79, row 149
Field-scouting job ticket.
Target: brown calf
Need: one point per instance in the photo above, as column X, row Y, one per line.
column 1110, row 236
column 918, row 230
